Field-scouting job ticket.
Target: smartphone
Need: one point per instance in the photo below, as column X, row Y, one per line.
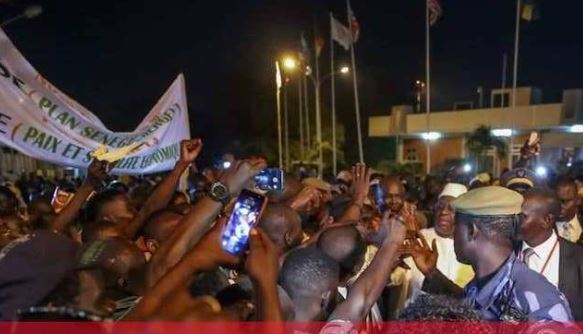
column 378, row 195
column 270, row 179
column 245, row 215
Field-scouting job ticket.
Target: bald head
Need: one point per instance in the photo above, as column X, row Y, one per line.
column 283, row 225
column 394, row 193
column 345, row 245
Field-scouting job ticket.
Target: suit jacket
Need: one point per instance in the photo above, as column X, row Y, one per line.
column 571, row 276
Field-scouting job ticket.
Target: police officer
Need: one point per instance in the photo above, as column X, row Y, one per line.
column 504, row 288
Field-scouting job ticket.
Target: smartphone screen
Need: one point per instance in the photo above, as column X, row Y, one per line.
column 378, row 194
column 270, row 179
column 245, row 216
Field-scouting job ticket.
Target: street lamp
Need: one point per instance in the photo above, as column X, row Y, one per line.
column 29, row 12
column 289, row 63
column 419, row 88
column 317, row 81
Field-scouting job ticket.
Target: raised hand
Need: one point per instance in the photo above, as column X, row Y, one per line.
column 360, row 183
column 261, row 263
column 424, row 256
column 394, row 226
column 189, row 150
column 306, row 200
column 210, row 247
column 97, row 172
column 242, row 171
column 409, row 215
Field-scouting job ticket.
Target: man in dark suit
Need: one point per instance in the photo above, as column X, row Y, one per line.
column 543, row 251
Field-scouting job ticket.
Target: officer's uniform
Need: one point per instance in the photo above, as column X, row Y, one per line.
column 514, row 292
column 518, row 293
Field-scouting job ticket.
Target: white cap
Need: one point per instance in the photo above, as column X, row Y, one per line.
column 454, row 190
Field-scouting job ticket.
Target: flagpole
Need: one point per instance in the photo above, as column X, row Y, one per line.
column 333, row 93
column 278, row 101
column 355, row 83
column 428, row 92
column 301, row 113
column 514, row 78
column 307, row 110
column 286, row 122
column 318, row 111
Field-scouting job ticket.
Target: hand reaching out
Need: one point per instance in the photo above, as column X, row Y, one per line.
column 210, row 247
column 409, row 215
column 189, row 150
column 307, row 199
column 237, row 177
column 97, row 172
column 394, row 227
column 424, row 256
column 361, row 182
column 261, row 264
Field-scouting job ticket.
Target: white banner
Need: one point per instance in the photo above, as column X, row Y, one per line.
column 42, row 122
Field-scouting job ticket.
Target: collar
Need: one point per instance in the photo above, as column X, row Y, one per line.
column 573, row 222
column 543, row 250
column 484, row 296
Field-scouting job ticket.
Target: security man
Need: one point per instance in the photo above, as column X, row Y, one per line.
column 504, row 287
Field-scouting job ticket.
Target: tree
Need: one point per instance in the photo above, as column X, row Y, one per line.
column 480, row 141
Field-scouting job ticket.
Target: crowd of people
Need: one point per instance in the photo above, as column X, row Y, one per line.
column 354, row 252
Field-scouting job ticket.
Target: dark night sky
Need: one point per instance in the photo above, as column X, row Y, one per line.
column 117, row 57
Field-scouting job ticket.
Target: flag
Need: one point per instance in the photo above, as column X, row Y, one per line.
column 529, row 11
column 277, row 75
column 354, row 26
column 319, row 45
column 304, row 50
column 435, row 11
column 340, row 33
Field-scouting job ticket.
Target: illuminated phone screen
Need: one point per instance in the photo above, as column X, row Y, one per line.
column 245, row 216
column 270, row 179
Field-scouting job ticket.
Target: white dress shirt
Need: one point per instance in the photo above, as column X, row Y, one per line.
column 543, row 252
column 570, row 230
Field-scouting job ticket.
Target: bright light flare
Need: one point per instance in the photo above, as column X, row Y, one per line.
column 502, row 132
column 431, row 135
column 289, row 63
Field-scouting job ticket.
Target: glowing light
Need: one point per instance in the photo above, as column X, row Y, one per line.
column 344, row 69
column 467, row 168
column 502, row 132
column 431, row 135
column 578, row 128
column 226, row 164
column 289, row 63
column 541, row 171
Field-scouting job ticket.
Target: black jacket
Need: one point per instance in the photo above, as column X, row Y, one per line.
column 571, row 276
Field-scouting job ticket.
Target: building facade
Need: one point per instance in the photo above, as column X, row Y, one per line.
column 444, row 133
